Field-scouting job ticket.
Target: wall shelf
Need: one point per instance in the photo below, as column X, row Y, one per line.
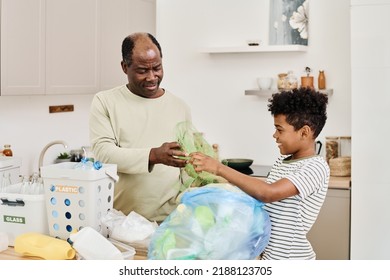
column 261, row 92
column 253, row 49
column 268, row 92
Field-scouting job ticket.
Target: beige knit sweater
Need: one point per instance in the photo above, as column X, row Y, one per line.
column 123, row 129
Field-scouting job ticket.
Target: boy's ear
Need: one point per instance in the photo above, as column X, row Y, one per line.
column 306, row 131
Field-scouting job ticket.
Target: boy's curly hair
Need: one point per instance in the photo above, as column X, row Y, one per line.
column 302, row 106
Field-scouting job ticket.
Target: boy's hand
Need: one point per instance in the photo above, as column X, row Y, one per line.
column 202, row 162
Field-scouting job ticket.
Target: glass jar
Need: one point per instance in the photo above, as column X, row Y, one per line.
column 282, row 81
column 291, row 81
column 7, row 151
column 345, row 146
column 331, row 147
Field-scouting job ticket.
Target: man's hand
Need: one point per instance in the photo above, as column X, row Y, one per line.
column 168, row 154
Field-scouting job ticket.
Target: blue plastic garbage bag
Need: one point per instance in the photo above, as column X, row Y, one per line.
column 215, row 222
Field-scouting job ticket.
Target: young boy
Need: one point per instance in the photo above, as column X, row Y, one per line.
column 296, row 186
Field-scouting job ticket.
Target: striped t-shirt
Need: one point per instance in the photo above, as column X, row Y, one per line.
column 292, row 217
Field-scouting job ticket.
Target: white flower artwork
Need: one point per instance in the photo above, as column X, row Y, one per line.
column 299, row 20
column 289, row 21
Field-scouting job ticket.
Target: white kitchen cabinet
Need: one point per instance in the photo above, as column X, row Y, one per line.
column 49, row 47
column 118, row 19
column 22, row 47
column 330, row 234
column 72, row 46
column 67, row 47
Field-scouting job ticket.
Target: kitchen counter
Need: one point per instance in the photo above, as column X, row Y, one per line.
column 10, row 254
column 339, row 182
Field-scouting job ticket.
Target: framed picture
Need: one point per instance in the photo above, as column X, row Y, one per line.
column 289, row 22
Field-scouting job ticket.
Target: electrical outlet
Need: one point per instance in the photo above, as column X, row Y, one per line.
column 61, row 108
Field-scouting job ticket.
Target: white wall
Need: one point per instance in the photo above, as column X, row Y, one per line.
column 370, row 129
column 214, row 84
column 26, row 124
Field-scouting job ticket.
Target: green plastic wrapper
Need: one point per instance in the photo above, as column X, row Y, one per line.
column 191, row 140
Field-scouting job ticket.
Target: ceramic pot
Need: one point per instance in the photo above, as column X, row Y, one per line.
column 307, row 81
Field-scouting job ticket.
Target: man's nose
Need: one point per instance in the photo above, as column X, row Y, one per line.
column 151, row 75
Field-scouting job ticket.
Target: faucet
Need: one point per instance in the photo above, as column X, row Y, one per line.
column 45, row 149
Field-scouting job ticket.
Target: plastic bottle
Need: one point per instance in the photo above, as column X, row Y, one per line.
column 39, row 186
column 7, row 151
column 43, row 246
column 25, row 187
column 84, row 164
column 91, row 245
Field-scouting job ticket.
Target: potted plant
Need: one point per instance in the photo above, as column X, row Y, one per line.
column 307, row 81
column 62, row 157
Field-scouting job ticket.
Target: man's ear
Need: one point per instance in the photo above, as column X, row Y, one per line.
column 124, row 67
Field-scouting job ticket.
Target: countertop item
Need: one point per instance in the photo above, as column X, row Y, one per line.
column 238, row 163
column 22, row 211
column 340, row 166
column 43, row 246
column 7, row 151
column 87, row 240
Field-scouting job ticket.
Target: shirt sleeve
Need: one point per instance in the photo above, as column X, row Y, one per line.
column 310, row 177
column 105, row 144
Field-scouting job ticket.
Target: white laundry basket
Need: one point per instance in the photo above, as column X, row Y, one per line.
column 76, row 198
